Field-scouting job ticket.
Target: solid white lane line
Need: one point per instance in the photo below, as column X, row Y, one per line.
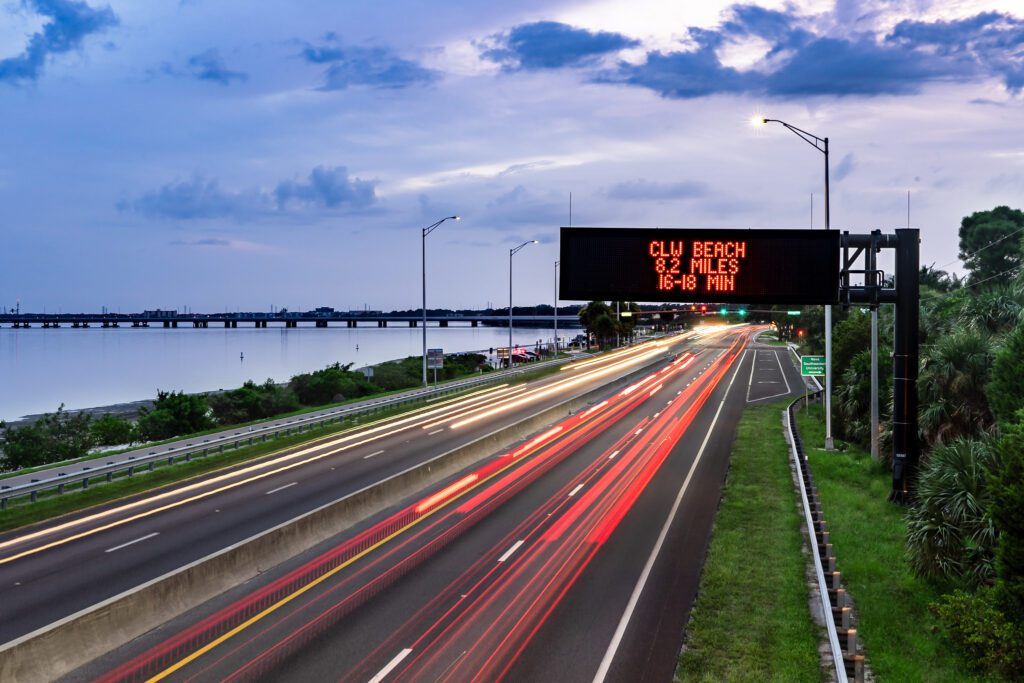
column 137, row 540
column 281, row 488
column 382, row 674
column 620, row 631
column 371, row 455
column 436, row 431
column 575, row 491
column 508, row 553
column 788, row 390
column 750, row 382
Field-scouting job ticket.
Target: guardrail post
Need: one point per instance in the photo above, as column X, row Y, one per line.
column 110, row 476
column 33, row 496
column 60, row 488
column 3, row 503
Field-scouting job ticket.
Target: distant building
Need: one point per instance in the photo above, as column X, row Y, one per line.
column 160, row 313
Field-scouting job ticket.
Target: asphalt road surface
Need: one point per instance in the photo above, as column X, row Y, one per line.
column 574, row 556
column 58, row 568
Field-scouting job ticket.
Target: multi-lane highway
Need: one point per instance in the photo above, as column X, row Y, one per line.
column 58, row 568
column 573, row 555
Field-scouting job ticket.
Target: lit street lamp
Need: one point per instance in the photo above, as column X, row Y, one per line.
column 820, row 144
column 511, row 253
column 423, row 253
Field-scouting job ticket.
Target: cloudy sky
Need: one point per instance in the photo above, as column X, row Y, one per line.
column 230, row 154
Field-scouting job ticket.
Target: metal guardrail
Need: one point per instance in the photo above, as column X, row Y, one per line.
column 835, row 604
column 257, row 433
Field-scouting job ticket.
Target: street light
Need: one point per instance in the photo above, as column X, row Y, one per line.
column 820, row 144
column 556, row 308
column 511, row 253
column 423, row 253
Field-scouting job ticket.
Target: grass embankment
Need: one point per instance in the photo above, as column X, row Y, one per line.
column 869, row 537
column 51, row 504
column 751, row 621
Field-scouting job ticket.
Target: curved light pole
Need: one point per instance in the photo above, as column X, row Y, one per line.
column 512, row 252
column 423, row 254
column 820, row 144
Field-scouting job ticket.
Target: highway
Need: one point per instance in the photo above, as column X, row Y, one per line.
column 67, row 471
column 573, row 556
column 58, row 568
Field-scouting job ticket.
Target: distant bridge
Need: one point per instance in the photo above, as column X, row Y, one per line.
column 173, row 319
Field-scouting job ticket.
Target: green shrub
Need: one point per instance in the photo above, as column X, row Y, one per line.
column 1008, row 513
column 980, row 631
column 52, row 438
column 1006, row 390
column 950, row 531
column 400, row 374
column 111, row 430
column 174, row 413
column 252, row 401
column 332, row 384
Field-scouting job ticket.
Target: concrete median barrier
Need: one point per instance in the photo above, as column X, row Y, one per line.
column 55, row 650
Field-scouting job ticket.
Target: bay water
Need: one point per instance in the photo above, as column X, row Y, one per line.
column 85, row 368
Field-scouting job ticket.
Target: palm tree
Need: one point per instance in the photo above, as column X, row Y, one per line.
column 598, row 320
column 950, row 532
column 954, row 373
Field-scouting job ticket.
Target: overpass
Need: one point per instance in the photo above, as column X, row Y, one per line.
column 173, row 319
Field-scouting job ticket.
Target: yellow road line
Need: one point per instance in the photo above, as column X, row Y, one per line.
column 288, row 598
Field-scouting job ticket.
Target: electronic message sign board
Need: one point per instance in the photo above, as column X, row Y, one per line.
column 698, row 265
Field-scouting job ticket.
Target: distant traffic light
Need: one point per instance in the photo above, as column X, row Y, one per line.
column 800, row 332
column 723, row 311
column 742, row 312
column 703, row 310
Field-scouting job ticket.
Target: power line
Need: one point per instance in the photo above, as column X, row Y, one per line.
column 990, row 244
column 1005, row 272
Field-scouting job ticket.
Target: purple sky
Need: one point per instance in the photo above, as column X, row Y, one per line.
column 238, row 155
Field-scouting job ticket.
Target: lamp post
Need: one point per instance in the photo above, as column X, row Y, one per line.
column 820, row 144
column 511, row 253
column 556, row 309
column 423, row 254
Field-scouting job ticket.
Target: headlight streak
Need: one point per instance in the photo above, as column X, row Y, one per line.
column 430, row 507
column 529, row 595
column 561, row 386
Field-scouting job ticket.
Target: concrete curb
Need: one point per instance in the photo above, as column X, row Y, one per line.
column 57, row 649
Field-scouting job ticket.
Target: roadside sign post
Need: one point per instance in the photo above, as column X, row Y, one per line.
column 811, row 366
column 435, row 360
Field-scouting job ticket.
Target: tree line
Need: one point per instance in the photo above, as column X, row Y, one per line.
column 64, row 435
column 966, row 524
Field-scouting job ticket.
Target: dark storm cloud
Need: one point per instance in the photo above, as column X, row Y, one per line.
column 552, row 45
column 374, row 67
column 202, row 198
column 69, row 24
column 327, row 187
column 800, row 63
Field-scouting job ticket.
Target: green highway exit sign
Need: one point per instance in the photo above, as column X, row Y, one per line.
column 812, row 365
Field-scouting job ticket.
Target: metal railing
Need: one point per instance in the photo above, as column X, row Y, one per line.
column 835, row 604
column 82, row 479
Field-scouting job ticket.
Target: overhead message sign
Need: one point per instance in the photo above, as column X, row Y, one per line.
column 714, row 265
